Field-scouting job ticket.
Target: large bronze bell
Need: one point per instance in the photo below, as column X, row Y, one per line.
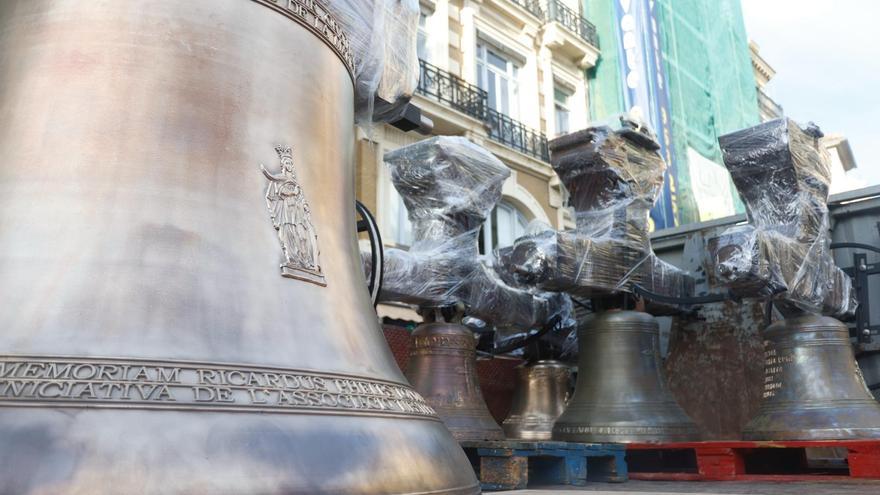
column 541, row 394
column 443, row 368
column 183, row 305
column 813, row 389
column 621, row 394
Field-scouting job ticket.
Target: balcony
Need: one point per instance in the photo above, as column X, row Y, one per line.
column 456, row 93
column 527, row 15
column 514, row 134
column 569, row 34
column 557, row 11
column 533, row 6
column 452, row 90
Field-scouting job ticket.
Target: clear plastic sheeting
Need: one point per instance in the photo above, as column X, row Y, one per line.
column 613, row 174
column 510, row 308
column 782, row 172
column 449, row 186
column 383, row 37
column 430, row 274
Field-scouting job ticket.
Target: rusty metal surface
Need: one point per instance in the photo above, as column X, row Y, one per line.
column 715, row 367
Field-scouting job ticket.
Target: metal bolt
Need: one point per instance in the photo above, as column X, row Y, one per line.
column 862, row 267
column 866, row 332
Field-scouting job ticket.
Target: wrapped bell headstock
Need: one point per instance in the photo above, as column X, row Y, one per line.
column 783, row 173
column 448, row 181
column 613, row 175
column 449, row 186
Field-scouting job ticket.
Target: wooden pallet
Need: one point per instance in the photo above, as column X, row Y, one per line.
column 514, row 464
column 754, row 461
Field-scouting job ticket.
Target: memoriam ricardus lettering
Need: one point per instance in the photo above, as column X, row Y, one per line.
column 292, row 219
column 146, row 384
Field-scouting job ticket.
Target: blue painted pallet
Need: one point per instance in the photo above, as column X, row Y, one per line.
column 516, row 464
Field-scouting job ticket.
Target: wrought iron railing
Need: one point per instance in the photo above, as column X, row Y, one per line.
column 533, row 6
column 454, row 91
column 572, row 20
column 773, row 109
column 513, row 133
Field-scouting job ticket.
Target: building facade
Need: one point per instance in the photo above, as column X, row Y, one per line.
column 684, row 66
column 508, row 75
column 768, row 108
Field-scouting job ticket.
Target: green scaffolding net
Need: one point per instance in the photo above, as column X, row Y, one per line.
column 711, row 88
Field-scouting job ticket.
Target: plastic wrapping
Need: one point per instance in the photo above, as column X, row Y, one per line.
column 449, row 186
column 382, row 34
column 613, row 174
column 782, row 173
column 510, row 308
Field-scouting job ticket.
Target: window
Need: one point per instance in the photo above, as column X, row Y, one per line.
column 497, row 75
column 504, row 225
column 396, row 227
column 422, row 37
column 399, row 228
column 562, row 110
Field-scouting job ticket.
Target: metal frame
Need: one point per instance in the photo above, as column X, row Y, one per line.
column 860, row 270
column 864, row 332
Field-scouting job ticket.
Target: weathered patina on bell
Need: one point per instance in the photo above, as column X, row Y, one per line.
column 443, row 369
column 621, row 393
column 183, row 305
column 542, row 390
column 813, row 389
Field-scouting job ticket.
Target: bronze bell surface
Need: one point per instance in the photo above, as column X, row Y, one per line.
column 813, row 389
column 443, row 369
column 540, row 397
column 621, row 393
column 183, row 305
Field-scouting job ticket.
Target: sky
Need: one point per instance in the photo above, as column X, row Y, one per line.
column 827, row 59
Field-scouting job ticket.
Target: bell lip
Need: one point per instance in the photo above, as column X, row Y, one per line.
column 472, row 435
column 529, row 435
column 456, row 476
column 812, row 434
column 693, row 435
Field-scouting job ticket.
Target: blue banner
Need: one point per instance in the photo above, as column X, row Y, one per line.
column 645, row 90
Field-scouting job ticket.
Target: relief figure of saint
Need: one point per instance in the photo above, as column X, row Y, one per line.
column 291, row 217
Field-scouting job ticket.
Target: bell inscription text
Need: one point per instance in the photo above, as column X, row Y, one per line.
column 184, row 385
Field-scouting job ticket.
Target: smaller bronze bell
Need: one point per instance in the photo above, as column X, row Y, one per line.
column 540, row 397
column 813, row 389
column 621, row 394
column 443, row 368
